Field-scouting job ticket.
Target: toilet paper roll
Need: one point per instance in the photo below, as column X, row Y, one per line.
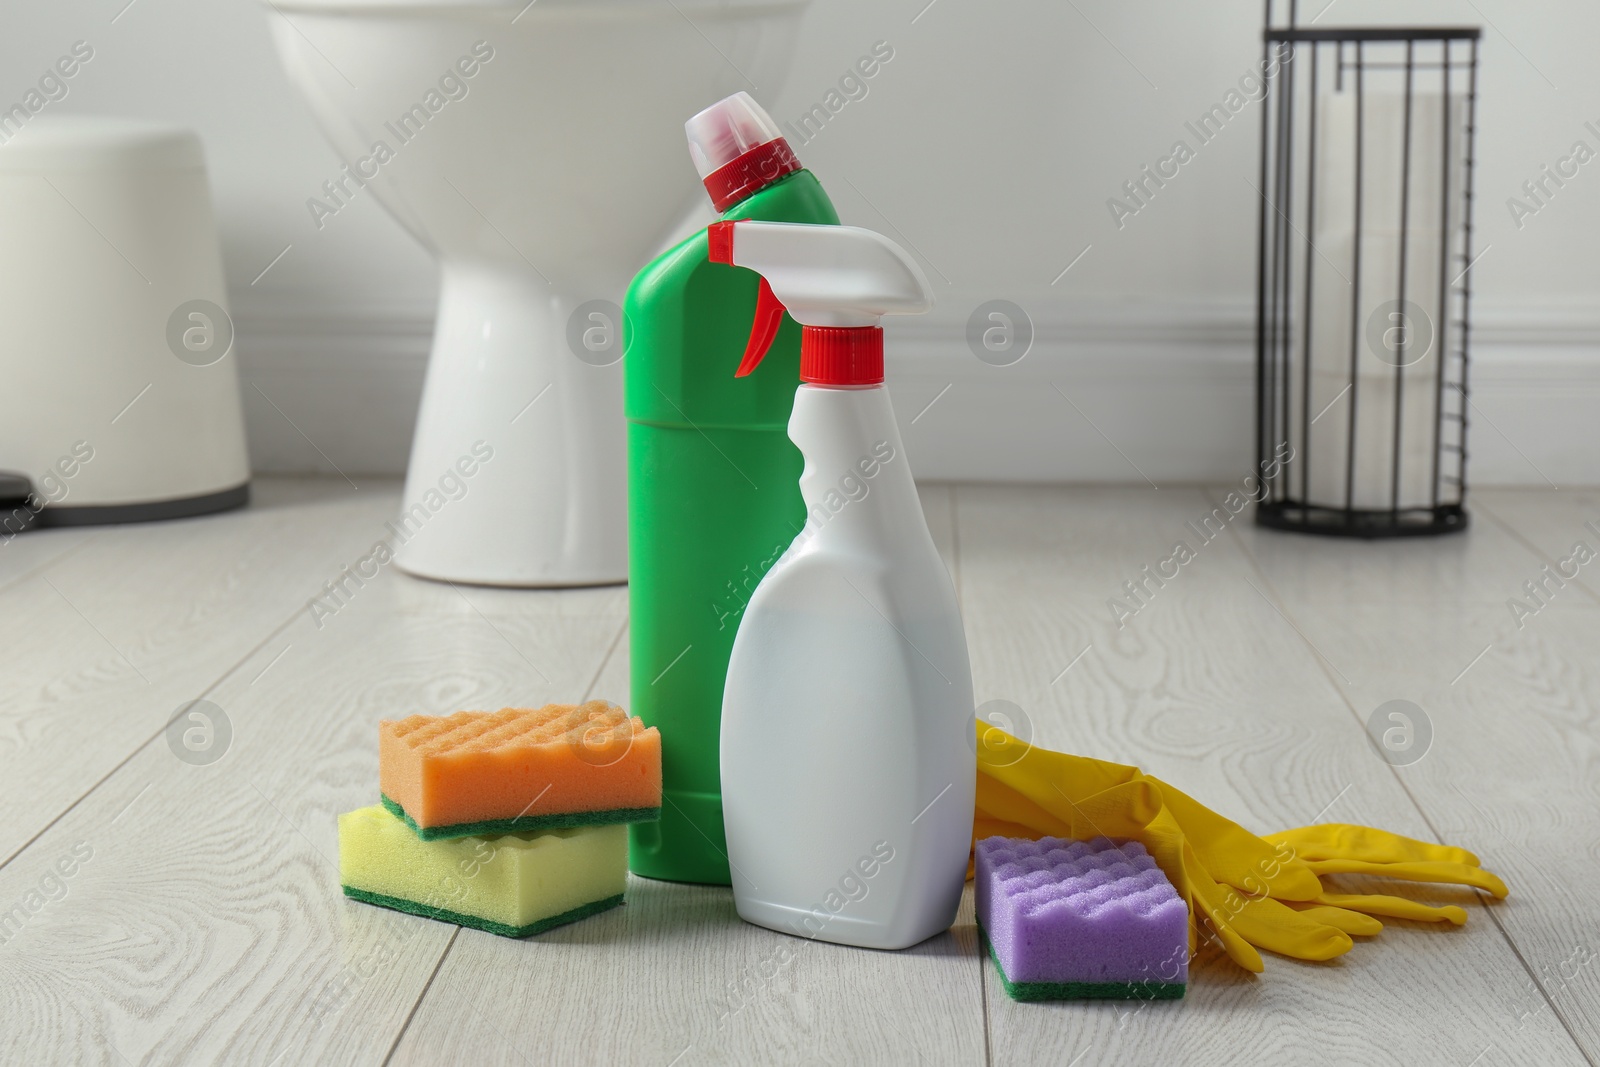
column 1393, row 325
column 1398, row 330
column 1328, row 451
column 1383, row 162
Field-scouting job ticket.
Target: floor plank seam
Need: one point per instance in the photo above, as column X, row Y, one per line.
column 1528, row 967
column 204, row 692
column 423, row 995
column 1538, row 552
column 1488, row 910
column 588, row 694
column 954, row 493
column 983, row 999
column 44, row 565
column 1416, row 803
column 605, row 660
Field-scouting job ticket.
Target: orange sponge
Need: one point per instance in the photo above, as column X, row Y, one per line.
column 519, row 769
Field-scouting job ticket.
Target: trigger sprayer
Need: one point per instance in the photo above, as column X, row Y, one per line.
column 836, row 281
column 847, row 755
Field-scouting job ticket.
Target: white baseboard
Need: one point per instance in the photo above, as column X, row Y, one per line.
column 1108, row 393
column 331, row 392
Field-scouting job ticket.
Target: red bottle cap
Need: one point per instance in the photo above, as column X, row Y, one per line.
column 737, row 150
column 841, row 355
column 750, row 173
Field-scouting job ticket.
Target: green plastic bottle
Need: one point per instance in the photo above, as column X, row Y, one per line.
column 713, row 479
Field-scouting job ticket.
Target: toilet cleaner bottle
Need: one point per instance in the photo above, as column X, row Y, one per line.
column 848, row 762
column 712, row 494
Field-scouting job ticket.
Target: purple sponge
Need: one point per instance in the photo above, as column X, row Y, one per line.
column 1068, row 920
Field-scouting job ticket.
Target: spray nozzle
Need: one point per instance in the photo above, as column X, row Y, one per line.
column 836, row 281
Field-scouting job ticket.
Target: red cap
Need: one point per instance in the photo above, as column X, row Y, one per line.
column 751, row 172
column 841, row 355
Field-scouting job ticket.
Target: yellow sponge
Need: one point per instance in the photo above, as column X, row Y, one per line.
column 510, row 884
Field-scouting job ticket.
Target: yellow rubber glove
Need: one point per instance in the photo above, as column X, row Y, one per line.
column 1253, row 892
column 1336, row 848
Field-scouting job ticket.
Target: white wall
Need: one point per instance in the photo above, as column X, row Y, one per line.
column 990, row 144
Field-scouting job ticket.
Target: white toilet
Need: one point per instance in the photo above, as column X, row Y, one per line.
column 537, row 149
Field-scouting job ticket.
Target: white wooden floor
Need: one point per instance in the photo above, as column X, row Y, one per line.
column 201, row 921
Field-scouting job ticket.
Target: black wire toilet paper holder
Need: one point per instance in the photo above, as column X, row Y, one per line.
column 1302, row 61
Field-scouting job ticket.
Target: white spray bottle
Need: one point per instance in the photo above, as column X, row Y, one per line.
column 848, row 763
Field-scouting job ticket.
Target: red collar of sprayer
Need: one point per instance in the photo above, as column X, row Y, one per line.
column 841, row 355
column 750, row 172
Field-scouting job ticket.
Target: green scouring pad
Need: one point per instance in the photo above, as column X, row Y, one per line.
column 521, row 824
column 1038, row 991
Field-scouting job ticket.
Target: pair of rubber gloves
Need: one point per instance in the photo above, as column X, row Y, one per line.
column 1254, row 892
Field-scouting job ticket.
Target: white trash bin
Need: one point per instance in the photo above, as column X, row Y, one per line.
column 118, row 378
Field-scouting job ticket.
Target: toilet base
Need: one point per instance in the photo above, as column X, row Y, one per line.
column 518, row 468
